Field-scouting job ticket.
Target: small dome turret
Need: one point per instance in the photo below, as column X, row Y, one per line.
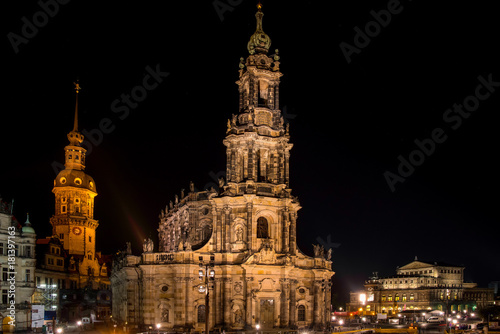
column 27, row 226
column 259, row 42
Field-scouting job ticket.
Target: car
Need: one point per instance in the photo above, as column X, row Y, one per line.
column 434, row 319
column 481, row 325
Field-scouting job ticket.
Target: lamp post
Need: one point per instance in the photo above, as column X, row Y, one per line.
column 207, row 274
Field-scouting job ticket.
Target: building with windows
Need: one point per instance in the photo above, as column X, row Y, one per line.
column 69, row 268
column 17, row 266
column 420, row 286
column 245, row 231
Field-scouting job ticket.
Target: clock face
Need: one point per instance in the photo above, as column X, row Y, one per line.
column 77, row 230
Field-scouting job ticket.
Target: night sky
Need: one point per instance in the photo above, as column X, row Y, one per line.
column 355, row 112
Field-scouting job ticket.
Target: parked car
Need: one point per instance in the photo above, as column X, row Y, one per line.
column 434, row 319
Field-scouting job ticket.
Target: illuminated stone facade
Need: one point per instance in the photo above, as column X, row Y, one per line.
column 420, row 285
column 248, row 225
column 17, row 267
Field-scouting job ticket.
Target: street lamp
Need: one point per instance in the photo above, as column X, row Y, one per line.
column 206, row 273
column 158, row 327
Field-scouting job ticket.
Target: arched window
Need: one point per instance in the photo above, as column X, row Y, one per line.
column 301, row 313
column 262, row 228
column 201, row 313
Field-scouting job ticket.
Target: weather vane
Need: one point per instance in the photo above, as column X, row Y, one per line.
column 77, row 86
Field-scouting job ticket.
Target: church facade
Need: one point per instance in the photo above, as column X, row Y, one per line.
column 244, row 233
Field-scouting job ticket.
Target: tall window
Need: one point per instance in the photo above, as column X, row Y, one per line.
column 201, row 313
column 262, row 228
column 301, row 313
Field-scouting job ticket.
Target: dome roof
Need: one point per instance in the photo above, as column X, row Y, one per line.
column 27, row 226
column 75, row 178
column 259, row 42
column 28, row 229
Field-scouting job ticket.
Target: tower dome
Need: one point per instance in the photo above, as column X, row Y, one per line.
column 27, row 226
column 259, row 42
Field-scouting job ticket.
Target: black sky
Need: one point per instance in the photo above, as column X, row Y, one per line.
column 349, row 122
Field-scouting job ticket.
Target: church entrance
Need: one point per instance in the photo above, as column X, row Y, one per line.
column 267, row 313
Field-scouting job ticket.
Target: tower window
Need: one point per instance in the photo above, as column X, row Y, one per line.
column 90, row 238
column 262, row 228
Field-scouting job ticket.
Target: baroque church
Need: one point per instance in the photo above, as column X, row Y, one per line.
column 244, row 234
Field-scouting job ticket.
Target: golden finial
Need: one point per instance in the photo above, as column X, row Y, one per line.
column 77, row 86
column 259, row 6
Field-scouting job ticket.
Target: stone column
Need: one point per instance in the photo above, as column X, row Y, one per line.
column 286, row 224
column 226, row 301
column 249, row 226
column 285, row 304
column 220, row 230
column 293, row 231
column 317, row 303
column 248, row 304
column 189, row 301
column 227, row 226
column 293, row 312
column 218, row 301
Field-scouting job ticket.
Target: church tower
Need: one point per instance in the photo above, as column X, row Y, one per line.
column 258, row 150
column 73, row 221
column 245, row 231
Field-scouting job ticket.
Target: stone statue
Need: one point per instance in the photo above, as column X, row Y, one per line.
column 129, row 248
column 221, row 182
column 164, row 315
column 148, row 246
column 182, row 193
column 187, row 246
column 239, row 234
column 191, row 186
column 319, row 251
column 176, row 199
column 238, row 316
column 181, row 246
column 171, row 205
column 329, row 255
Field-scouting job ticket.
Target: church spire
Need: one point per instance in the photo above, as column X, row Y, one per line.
column 75, row 153
column 76, row 138
column 77, row 90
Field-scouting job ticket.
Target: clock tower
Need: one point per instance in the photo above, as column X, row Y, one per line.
column 73, row 221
